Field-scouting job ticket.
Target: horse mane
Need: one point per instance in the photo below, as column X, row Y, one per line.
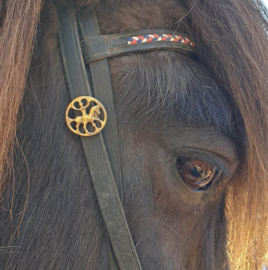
column 19, row 21
column 231, row 41
column 228, row 48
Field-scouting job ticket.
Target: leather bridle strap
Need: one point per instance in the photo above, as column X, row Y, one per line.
column 102, row 88
column 102, row 85
column 94, row 147
column 104, row 46
column 86, row 68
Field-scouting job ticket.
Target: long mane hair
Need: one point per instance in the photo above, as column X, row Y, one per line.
column 231, row 41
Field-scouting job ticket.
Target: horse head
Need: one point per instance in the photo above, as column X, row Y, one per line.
column 185, row 138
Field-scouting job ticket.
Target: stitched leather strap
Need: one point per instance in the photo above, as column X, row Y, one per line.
column 94, row 147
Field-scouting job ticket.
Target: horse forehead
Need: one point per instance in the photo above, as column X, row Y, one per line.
column 168, row 90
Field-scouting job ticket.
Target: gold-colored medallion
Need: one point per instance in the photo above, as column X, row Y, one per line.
column 86, row 116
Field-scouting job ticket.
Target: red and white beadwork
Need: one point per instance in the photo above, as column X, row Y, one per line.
column 159, row 37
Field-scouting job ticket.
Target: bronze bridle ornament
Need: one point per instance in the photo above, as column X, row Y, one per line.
column 92, row 119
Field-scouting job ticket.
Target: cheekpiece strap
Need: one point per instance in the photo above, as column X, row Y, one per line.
column 99, row 162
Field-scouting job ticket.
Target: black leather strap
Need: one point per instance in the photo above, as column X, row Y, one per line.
column 102, row 85
column 94, row 147
column 98, row 47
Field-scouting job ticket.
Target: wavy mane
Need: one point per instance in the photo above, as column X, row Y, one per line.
column 232, row 43
column 19, row 20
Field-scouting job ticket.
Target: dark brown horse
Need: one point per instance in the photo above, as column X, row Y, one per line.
column 176, row 114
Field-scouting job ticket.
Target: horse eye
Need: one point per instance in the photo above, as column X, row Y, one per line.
column 196, row 174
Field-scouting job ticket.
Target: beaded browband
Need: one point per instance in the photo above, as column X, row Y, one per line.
column 104, row 46
column 159, row 37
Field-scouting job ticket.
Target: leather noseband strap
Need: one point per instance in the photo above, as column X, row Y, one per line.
column 87, row 74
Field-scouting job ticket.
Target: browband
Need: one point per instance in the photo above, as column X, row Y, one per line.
column 96, row 46
column 105, row 46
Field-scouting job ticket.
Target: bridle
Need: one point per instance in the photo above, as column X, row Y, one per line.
column 84, row 54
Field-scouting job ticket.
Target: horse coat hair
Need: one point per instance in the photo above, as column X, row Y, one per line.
column 165, row 102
